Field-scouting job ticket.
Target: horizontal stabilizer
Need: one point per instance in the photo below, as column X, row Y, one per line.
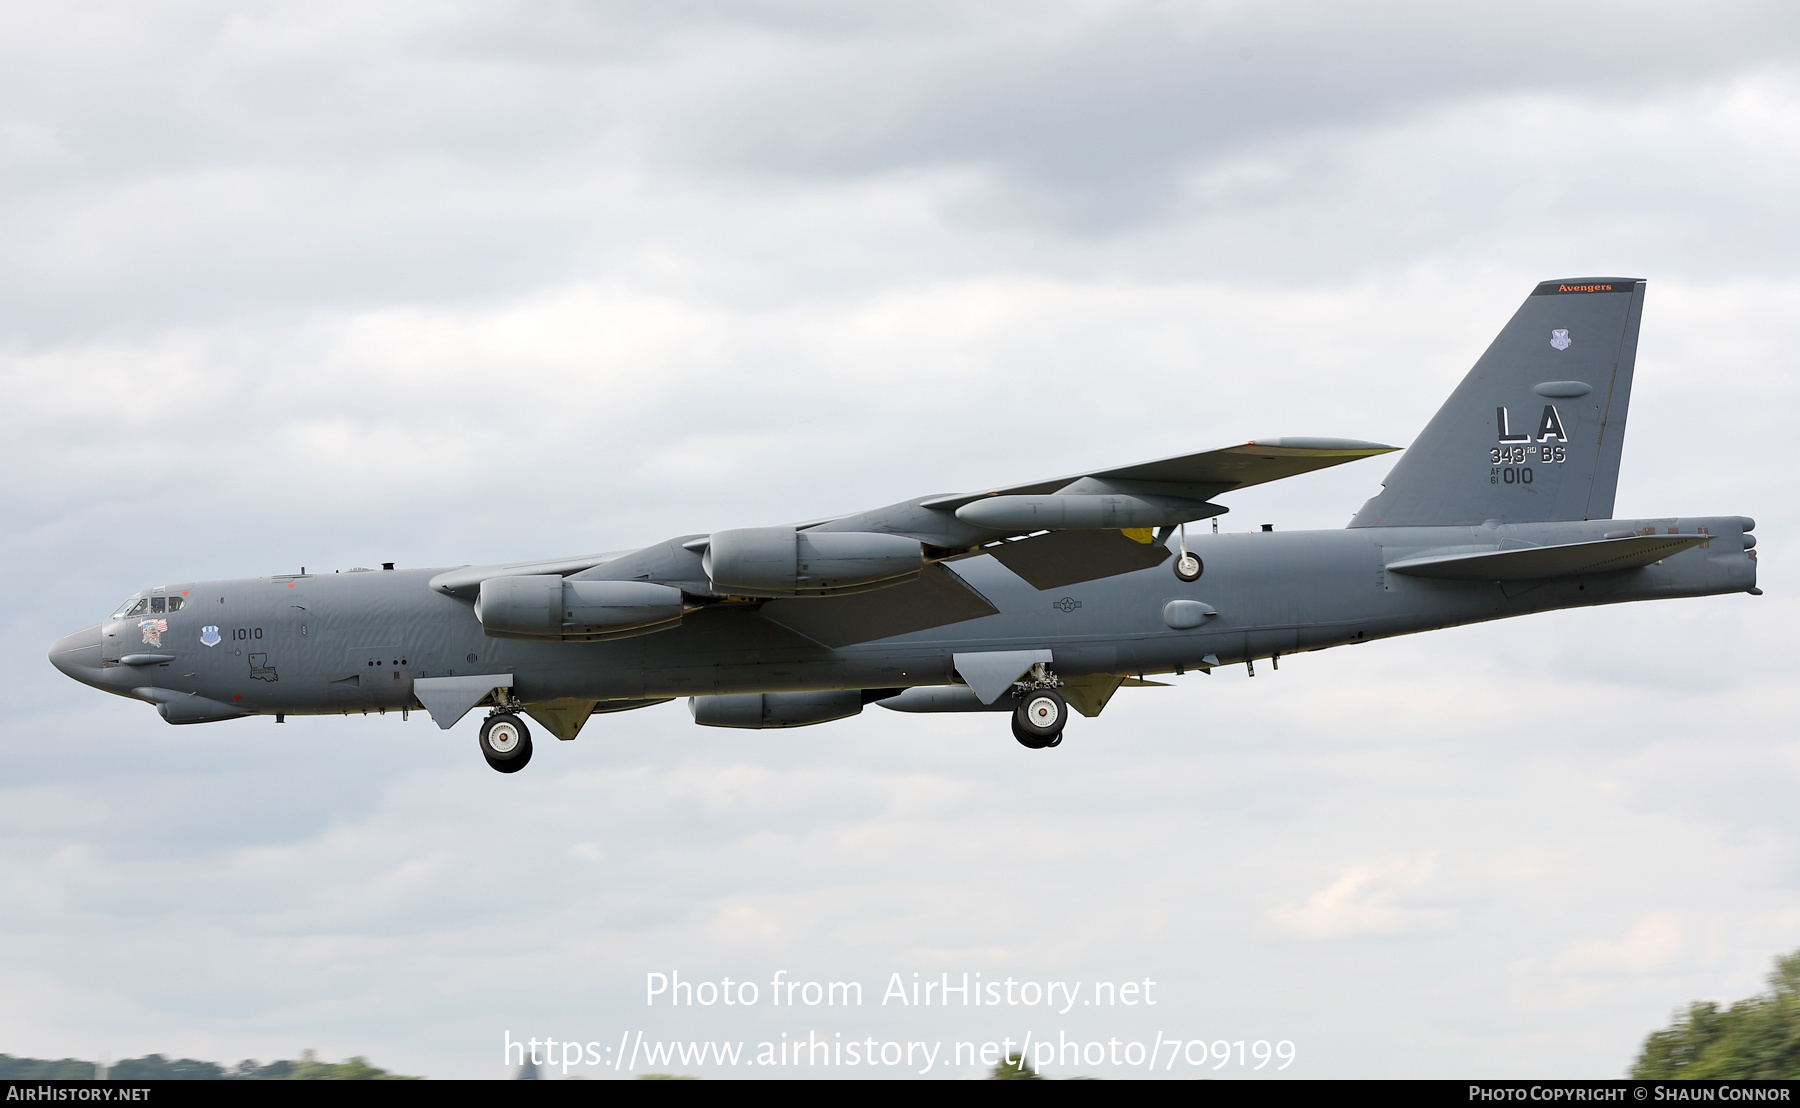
column 1540, row 562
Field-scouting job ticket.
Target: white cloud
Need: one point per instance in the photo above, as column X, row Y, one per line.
column 1652, row 944
column 1369, row 899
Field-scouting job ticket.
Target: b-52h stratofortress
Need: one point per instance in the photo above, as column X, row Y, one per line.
column 1029, row 599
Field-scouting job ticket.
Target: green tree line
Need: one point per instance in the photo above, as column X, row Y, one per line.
column 1758, row 1038
column 154, row 1067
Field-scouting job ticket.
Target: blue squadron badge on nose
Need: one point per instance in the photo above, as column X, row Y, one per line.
column 1560, row 339
column 209, row 635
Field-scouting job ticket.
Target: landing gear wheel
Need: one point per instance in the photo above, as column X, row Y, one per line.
column 1026, row 738
column 1189, row 567
column 505, row 742
column 1038, row 720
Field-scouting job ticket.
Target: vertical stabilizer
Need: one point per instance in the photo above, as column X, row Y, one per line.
column 1534, row 432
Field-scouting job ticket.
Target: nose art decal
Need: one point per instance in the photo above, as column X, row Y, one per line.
column 153, row 630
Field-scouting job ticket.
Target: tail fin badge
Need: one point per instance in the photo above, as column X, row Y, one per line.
column 1550, row 426
column 1560, row 339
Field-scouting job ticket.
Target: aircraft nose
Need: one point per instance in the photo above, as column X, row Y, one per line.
column 78, row 655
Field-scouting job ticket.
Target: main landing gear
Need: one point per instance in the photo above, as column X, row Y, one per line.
column 1038, row 720
column 505, row 742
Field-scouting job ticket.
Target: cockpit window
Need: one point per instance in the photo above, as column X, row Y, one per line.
column 153, row 605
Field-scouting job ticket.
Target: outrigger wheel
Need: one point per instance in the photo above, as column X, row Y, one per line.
column 1188, row 566
column 505, row 742
column 1038, row 720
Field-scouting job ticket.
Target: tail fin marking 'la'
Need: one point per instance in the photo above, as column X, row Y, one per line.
column 1534, row 432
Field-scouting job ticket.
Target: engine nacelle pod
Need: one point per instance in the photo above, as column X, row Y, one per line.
column 945, row 698
column 789, row 709
column 591, row 607
column 521, row 605
column 780, row 561
column 545, row 606
column 1082, row 511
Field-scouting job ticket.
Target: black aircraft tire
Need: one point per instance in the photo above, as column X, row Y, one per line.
column 514, row 764
column 1026, row 738
column 505, row 742
column 1042, row 713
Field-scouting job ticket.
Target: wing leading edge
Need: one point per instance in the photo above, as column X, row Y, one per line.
column 1160, row 493
column 1199, row 476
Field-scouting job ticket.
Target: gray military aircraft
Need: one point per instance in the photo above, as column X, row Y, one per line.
column 1029, row 599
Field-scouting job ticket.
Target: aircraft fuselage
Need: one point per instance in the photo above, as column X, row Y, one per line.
column 355, row 642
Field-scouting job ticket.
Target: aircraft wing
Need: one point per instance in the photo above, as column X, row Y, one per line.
column 1085, row 526
column 935, row 598
column 1199, row 476
column 877, row 574
column 1058, row 558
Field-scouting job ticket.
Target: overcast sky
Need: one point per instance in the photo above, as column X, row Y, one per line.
column 331, row 284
